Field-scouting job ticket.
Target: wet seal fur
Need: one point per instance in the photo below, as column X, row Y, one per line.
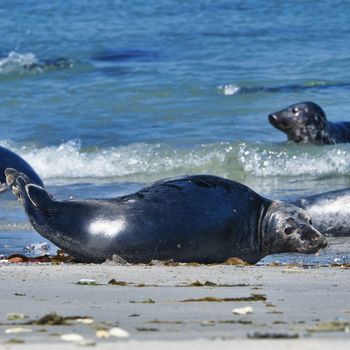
column 306, row 122
column 198, row 218
column 9, row 159
column 329, row 211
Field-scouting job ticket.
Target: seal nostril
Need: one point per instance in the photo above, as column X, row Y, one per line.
column 272, row 118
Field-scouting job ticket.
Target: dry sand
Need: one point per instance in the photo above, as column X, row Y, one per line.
column 310, row 304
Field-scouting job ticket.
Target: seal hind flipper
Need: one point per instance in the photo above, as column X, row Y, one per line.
column 11, row 175
column 12, row 161
column 25, row 190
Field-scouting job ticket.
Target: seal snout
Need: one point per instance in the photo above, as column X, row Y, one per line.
column 273, row 119
column 312, row 240
column 281, row 121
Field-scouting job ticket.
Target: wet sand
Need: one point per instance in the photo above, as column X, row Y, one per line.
column 175, row 306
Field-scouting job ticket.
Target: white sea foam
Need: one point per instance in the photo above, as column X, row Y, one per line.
column 140, row 161
column 17, row 62
column 229, row 89
column 143, row 162
column 293, row 160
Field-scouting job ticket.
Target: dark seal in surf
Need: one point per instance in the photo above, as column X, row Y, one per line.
column 9, row 159
column 306, row 122
column 198, row 218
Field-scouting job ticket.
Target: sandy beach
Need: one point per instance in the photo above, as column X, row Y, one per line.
column 173, row 306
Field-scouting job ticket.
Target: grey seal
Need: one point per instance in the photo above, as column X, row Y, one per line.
column 306, row 122
column 9, row 159
column 330, row 211
column 199, row 218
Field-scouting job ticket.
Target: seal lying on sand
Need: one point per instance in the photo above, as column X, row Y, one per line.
column 330, row 211
column 10, row 159
column 307, row 122
column 200, row 218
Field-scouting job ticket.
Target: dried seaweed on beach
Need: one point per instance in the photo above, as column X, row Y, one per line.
column 253, row 297
column 53, row 319
column 272, row 335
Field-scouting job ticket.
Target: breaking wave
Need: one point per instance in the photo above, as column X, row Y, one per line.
column 234, row 89
column 16, row 62
column 141, row 162
column 295, row 160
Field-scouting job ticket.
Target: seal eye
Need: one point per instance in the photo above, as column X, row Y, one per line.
column 310, row 221
column 288, row 230
column 295, row 110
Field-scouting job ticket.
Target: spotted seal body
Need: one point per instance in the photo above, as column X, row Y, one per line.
column 306, row 122
column 9, row 159
column 330, row 211
column 199, row 218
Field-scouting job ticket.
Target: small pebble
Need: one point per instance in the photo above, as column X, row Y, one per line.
column 119, row 332
column 87, row 281
column 17, row 330
column 243, row 310
column 72, row 337
column 84, row 320
column 102, row 333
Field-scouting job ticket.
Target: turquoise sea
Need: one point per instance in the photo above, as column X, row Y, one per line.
column 103, row 96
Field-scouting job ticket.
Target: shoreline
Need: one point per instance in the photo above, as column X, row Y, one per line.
column 181, row 305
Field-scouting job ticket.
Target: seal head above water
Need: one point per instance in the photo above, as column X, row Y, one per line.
column 198, row 218
column 306, row 122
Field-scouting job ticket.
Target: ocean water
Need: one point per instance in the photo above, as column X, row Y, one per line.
column 103, row 96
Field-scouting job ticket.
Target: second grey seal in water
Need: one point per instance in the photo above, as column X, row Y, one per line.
column 198, row 218
column 330, row 211
column 306, row 122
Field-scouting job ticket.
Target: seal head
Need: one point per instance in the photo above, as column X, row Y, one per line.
column 302, row 122
column 287, row 228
